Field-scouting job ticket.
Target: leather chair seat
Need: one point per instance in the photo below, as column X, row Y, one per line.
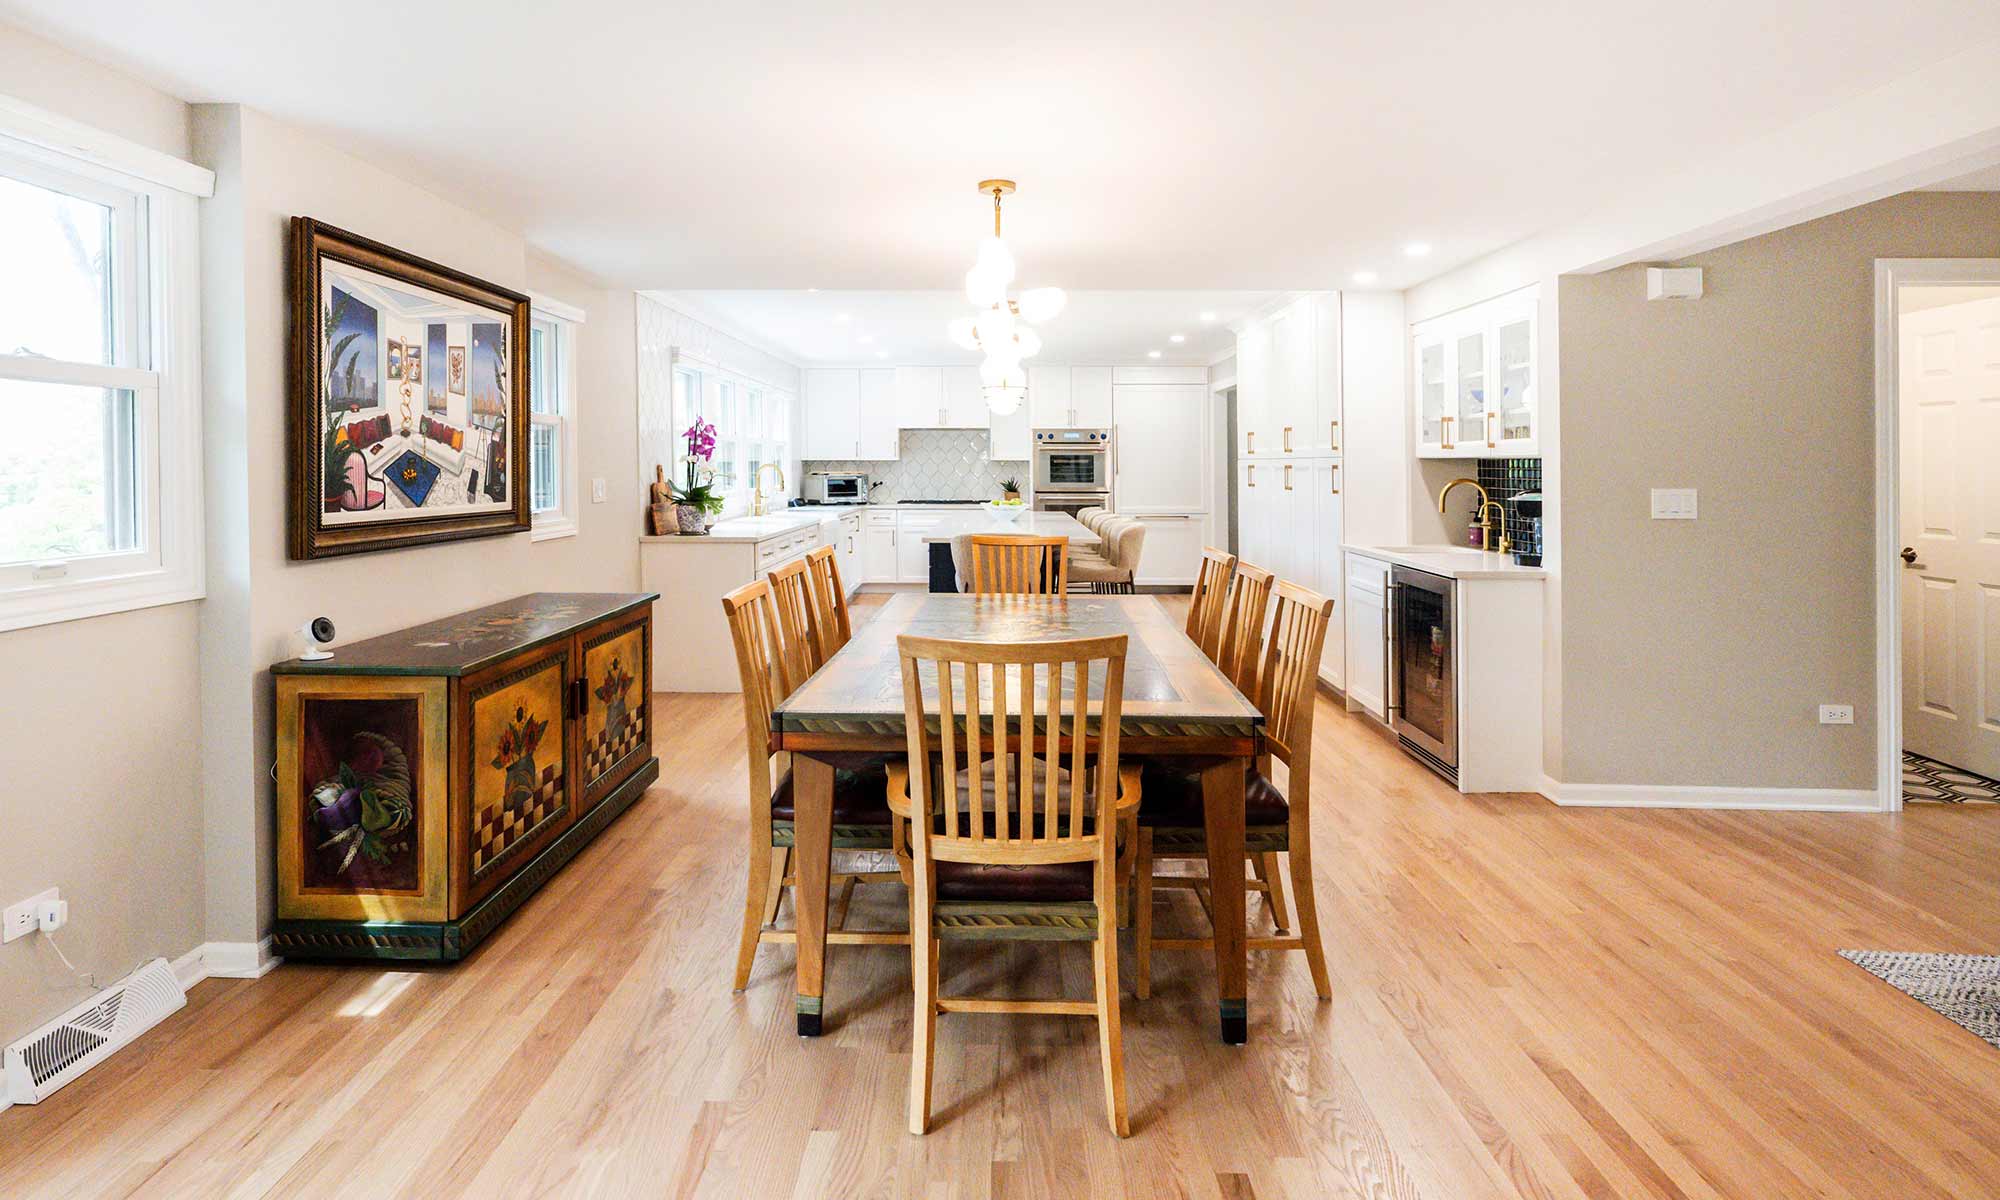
column 1035, row 883
column 860, row 794
column 1170, row 798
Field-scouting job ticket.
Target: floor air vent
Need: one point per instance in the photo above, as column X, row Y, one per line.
column 89, row 1033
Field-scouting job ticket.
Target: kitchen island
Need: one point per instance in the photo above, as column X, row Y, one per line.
column 937, row 539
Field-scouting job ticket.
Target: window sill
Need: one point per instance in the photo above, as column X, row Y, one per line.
column 30, row 606
column 550, row 528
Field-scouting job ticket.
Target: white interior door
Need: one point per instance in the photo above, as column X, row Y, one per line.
column 1949, row 397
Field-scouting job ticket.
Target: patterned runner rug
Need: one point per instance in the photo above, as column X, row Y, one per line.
column 1928, row 781
column 1964, row 988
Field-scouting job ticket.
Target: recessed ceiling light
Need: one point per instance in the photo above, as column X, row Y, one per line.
column 1208, row 316
column 841, row 317
column 1417, row 249
column 1364, row 278
column 1152, row 354
column 1177, row 338
column 865, row 338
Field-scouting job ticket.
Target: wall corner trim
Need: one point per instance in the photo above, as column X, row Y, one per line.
column 1643, row 795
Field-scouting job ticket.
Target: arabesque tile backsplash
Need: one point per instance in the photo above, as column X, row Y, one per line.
column 936, row 464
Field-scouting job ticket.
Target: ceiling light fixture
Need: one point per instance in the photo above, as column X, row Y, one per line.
column 1177, row 338
column 1417, row 249
column 1364, row 278
column 1152, row 354
column 998, row 327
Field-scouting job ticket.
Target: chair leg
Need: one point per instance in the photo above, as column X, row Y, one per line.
column 1268, row 870
column 1308, row 905
column 923, row 1025
column 755, row 897
column 1110, row 1039
column 781, row 866
column 1142, row 916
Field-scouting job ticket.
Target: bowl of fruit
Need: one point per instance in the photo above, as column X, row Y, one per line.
column 1007, row 510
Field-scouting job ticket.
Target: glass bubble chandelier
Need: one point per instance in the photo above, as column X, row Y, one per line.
column 1000, row 327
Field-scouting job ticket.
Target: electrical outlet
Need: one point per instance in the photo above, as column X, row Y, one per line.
column 21, row 919
column 1673, row 504
column 1836, row 714
column 599, row 491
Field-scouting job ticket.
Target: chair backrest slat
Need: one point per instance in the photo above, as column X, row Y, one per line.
column 979, row 720
column 752, row 613
column 798, row 621
column 1005, row 564
column 1240, row 643
column 1291, row 670
column 1211, row 583
column 830, row 599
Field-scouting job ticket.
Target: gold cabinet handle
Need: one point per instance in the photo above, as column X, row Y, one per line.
column 1333, row 435
column 1249, row 441
column 1489, row 431
column 1288, row 477
column 1444, row 434
column 1288, row 439
column 1333, row 480
column 1252, row 472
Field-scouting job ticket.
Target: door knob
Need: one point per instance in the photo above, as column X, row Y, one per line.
column 1910, row 555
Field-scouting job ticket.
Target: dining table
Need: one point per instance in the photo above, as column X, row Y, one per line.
column 1176, row 704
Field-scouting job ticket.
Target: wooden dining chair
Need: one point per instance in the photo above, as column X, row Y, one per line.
column 830, row 600
column 1004, row 564
column 1205, row 604
column 861, row 819
column 1012, row 845
column 1240, row 638
column 798, row 622
column 1171, row 822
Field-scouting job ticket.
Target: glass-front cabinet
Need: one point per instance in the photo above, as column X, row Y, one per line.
column 1475, row 375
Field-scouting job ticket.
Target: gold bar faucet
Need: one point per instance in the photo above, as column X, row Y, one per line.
column 757, row 487
column 1492, row 537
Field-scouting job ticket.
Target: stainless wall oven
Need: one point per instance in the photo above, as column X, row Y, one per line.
column 1071, row 502
column 1072, row 460
column 1423, row 667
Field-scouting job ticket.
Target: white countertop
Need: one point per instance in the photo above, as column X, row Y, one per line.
column 1454, row 562
column 793, row 520
column 1038, row 524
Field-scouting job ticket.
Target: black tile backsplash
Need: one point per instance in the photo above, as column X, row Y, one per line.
column 1505, row 478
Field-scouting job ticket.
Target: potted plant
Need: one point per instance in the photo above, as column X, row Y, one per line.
column 698, row 499
column 1010, row 488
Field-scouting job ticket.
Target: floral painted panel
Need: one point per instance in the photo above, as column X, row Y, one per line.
column 360, row 828
column 614, row 726
column 517, row 762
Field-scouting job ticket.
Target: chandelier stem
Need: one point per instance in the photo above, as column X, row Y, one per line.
column 996, row 212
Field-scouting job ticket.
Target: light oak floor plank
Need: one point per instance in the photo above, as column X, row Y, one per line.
column 1528, row 1002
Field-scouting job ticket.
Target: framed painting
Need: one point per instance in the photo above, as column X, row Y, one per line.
column 379, row 456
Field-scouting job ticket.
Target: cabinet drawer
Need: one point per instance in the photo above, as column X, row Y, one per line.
column 1367, row 575
column 877, row 520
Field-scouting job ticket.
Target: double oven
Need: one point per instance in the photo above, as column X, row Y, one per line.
column 1073, row 469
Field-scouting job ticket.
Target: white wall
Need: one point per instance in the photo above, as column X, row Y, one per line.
column 102, row 736
column 268, row 172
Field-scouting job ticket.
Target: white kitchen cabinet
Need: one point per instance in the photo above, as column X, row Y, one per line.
column 1090, row 399
column 964, row 405
column 1322, row 433
column 913, row 556
column 1367, row 629
column 1258, row 512
column 1048, row 397
column 1010, row 438
column 1172, row 552
column 920, row 397
column 1475, row 372
column 879, row 435
column 1253, row 390
column 1326, row 576
column 847, row 551
column 878, row 547
column 1161, row 448
column 831, row 414
column 1291, row 408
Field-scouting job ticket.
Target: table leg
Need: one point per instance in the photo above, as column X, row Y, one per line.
column 812, row 858
column 1222, row 814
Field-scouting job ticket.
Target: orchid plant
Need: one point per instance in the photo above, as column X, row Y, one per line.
column 699, row 489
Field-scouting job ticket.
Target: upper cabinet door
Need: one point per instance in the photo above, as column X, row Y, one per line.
column 964, row 405
column 920, row 397
column 1470, row 426
column 1433, row 395
column 879, row 433
column 1253, row 390
column 831, row 414
column 1514, row 384
column 1049, row 397
column 1090, row 397
column 1475, row 377
column 1293, row 407
column 1323, row 432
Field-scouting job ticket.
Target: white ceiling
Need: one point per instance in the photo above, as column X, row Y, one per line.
column 869, row 328
column 1159, row 143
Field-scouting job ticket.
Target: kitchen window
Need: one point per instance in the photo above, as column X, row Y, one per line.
column 552, row 417
column 752, row 427
column 100, row 485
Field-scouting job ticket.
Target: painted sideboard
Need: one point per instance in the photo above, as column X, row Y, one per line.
column 431, row 779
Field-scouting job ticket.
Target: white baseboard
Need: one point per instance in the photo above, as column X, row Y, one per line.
column 225, row 960
column 1640, row 795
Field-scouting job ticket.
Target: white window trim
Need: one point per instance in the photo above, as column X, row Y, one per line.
column 171, row 570
column 561, row 521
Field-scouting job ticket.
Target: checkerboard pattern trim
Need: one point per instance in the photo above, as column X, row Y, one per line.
column 604, row 753
column 501, row 830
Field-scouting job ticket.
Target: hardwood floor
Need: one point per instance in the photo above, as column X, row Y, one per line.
column 1528, row 1001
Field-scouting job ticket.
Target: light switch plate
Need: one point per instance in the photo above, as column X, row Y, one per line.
column 598, row 491
column 1673, row 504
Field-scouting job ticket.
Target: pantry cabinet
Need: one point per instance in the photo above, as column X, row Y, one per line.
column 1475, row 373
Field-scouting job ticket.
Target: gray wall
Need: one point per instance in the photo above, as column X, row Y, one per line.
column 1697, row 652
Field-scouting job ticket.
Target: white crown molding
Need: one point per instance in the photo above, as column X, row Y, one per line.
column 75, row 140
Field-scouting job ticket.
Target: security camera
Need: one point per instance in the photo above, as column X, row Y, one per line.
column 316, row 633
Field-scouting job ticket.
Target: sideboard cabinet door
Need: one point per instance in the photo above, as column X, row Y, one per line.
column 513, row 746
column 615, row 731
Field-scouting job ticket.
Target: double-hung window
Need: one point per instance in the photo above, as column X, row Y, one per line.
column 552, row 417
column 752, row 427
column 100, row 486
